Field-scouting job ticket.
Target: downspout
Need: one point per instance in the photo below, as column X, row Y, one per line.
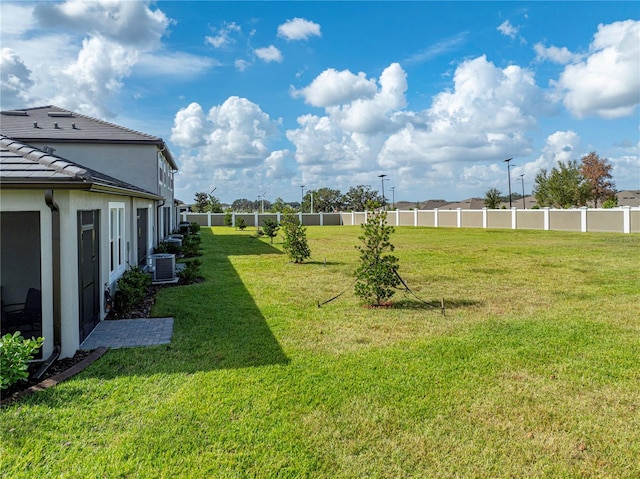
column 57, row 298
column 160, row 205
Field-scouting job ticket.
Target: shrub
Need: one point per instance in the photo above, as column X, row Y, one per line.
column 241, row 224
column 132, row 289
column 295, row 238
column 15, row 354
column 195, row 228
column 191, row 246
column 271, row 228
column 191, row 272
column 376, row 275
column 228, row 219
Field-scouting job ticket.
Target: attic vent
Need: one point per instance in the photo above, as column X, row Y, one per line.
column 60, row 114
column 48, row 150
column 55, row 125
column 15, row 113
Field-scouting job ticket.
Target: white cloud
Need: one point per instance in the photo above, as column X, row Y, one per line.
column 508, row 30
column 332, row 88
column 189, row 126
column 607, row 83
column 269, row 54
column 555, row 54
column 484, row 117
column 233, row 137
column 15, row 19
column 298, row 29
column 224, row 35
column 173, row 64
column 15, row 79
column 241, row 65
column 275, row 165
column 127, row 23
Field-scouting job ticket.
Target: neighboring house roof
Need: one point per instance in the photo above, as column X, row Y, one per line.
column 23, row 167
column 628, row 198
column 468, row 204
column 54, row 124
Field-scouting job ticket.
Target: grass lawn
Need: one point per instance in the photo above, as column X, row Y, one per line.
column 533, row 372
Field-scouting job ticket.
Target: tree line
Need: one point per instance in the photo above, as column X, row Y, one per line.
column 325, row 200
column 569, row 184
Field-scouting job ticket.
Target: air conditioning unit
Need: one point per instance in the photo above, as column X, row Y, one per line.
column 177, row 242
column 162, row 267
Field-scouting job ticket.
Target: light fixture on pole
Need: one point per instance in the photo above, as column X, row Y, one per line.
column 509, row 177
column 524, row 207
column 384, row 204
column 301, row 197
column 393, row 197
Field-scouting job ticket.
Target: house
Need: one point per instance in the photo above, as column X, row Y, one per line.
column 136, row 158
column 68, row 228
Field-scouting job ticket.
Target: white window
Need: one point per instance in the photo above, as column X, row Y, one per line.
column 116, row 238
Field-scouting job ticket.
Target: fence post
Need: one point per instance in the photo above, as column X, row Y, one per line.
column 397, row 218
column 583, row 219
column 484, row 217
column 233, row 219
column 300, row 217
column 626, row 212
column 209, row 219
column 278, row 216
column 459, row 217
column 321, row 219
column 546, row 218
column 514, row 212
column 415, row 217
column 435, row 217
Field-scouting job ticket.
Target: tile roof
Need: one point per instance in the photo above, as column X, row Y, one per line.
column 54, row 124
column 23, row 166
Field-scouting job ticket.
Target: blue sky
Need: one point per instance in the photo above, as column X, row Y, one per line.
column 269, row 96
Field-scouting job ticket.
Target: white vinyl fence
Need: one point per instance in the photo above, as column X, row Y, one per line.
column 624, row 219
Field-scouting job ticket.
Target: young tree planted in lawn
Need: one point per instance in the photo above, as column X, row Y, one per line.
column 270, row 228
column 492, row 198
column 295, row 238
column 376, row 274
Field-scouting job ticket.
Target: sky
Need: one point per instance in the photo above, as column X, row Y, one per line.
column 277, row 98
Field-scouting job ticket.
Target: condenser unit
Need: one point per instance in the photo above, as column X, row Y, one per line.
column 162, row 267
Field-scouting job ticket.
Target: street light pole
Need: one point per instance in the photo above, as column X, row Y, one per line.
column 393, row 196
column 509, row 177
column 524, row 207
column 301, row 197
column 384, row 204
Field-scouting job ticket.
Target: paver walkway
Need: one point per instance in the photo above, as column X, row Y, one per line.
column 129, row 333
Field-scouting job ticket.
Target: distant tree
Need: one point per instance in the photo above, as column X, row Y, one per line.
column 324, row 199
column 277, row 206
column 357, row 197
column 243, row 205
column 376, row 274
column 563, row 187
column 206, row 203
column 492, row 198
column 270, row 228
column 611, row 202
column 295, row 238
column 596, row 172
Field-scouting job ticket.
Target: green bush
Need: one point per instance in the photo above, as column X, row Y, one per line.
column 195, row 228
column 228, row 219
column 191, row 246
column 191, row 272
column 15, row 354
column 295, row 238
column 241, row 224
column 376, row 275
column 271, row 228
column 132, row 289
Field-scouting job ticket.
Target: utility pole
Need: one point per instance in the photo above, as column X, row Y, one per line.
column 524, row 207
column 509, row 177
column 384, row 204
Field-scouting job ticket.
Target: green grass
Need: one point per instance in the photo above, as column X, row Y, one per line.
column 533, row 372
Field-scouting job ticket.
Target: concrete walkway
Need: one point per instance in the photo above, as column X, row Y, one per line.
column 129, row 333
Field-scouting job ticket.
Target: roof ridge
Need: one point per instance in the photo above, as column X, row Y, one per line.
column 105, row 122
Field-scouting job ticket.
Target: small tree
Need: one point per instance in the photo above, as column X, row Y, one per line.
column 228, row 219
column 376, row 275
column 241, row 224
column 596, row 172
column 295, row 238
column 270, row 228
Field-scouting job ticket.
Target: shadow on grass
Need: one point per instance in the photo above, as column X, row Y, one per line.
column 217, row 324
